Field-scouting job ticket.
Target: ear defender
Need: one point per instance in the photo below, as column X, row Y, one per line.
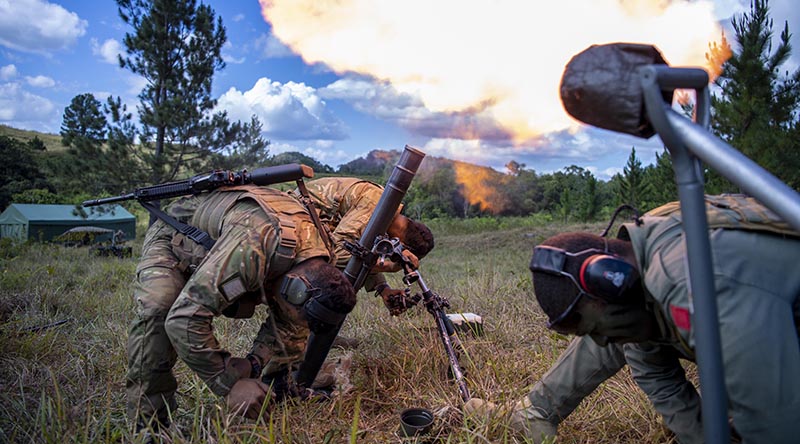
column 607, row 277
column 299, row 292
column 601, row 275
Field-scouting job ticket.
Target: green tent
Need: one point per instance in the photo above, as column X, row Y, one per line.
column 45, row 222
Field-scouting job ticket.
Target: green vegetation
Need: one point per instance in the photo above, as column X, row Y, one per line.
column 52, row 142
column 176, row 46
column 66, row 383
column 756, row 110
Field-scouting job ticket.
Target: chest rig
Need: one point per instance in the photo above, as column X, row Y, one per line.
column 289, row 214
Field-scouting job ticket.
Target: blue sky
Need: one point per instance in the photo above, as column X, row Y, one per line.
column 336, row 80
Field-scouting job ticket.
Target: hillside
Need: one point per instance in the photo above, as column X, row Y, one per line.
column 374, row 165
column 51, row 141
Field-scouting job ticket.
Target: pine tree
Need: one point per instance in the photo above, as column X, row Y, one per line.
column 83, row 122
column 633, row 188
column 175, row 45
column 83, row 131
column 661, row 180
column 756, row 111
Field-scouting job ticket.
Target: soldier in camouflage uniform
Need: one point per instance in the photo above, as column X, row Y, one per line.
column 263, row 236
column 755, row 256
column 168, row 259
column 345, row 206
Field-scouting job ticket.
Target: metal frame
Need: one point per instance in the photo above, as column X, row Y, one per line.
column 689, row 143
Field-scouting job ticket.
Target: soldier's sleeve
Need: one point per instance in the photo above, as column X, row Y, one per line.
column 373, row 280
column 658, row 372
column 579, row 370
column 236, row 265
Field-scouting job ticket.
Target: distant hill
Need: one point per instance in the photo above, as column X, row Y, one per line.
column 374, row 164
column 378, row 162
column 51, row 141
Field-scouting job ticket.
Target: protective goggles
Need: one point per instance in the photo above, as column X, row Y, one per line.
column 552, row 260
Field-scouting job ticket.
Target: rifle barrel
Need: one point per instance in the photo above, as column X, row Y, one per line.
column 108, row 200
column 279, row 173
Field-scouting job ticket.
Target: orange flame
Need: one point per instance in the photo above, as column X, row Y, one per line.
column 479, row 186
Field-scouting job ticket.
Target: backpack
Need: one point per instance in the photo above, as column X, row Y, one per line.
column 734, row 211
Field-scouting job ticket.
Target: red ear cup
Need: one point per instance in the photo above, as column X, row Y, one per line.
column 607, row 277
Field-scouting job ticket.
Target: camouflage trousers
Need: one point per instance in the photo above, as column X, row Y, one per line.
column 164, row 268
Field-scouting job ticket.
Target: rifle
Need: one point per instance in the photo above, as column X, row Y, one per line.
column 210, row 181
column 392, row 249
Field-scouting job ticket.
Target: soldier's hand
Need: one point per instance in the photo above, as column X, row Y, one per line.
column 247, row 397
column 391, row 266
column 242, row 367
column 398, row 301
column 409, row 257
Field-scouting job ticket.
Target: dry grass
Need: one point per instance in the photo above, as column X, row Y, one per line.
column 66, row 383
column 51, row 141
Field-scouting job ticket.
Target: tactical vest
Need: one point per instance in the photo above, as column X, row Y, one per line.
column 734, row 211
column 328, row 194
column 290, row 213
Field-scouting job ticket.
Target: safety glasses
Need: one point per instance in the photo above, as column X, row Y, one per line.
column 552, row 260
column 554, row 324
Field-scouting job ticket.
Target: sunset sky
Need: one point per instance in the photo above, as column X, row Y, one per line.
column 473, row 80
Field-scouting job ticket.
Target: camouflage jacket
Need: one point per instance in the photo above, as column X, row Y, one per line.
column 261, row 233
column 346, row 205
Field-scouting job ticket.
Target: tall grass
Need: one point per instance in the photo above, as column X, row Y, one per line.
column 65, row 383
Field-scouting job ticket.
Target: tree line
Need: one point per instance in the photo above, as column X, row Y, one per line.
column 175, row 45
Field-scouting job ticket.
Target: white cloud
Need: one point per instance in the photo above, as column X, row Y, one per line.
column 38, row 26
column 136, row 84
column 381, row 100
column 272, row 48
column 8, row 72
column 108, row 51
column 228, row 57
column 22, row 109
column 290, row 111
column 40, row 81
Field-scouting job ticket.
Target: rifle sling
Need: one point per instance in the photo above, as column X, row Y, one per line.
column 305, row 198
column 193, row 233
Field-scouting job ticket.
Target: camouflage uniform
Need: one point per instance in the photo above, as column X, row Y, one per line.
column 260, row 233
column 345, row 207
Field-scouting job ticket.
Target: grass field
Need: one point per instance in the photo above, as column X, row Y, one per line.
column 65, row 384
column 51, row 141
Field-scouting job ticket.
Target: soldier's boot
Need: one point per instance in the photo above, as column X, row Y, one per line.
column 524, row 419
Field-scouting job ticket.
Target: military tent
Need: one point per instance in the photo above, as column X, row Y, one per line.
column 45, row 222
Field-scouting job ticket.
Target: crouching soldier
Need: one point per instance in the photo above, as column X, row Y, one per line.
column 267, row 251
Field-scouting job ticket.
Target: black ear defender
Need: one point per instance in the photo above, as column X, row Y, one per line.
column 296, row 290
column 601, row 274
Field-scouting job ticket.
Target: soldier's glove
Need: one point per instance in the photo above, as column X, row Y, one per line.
column 247, row 397
column 398, row 301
